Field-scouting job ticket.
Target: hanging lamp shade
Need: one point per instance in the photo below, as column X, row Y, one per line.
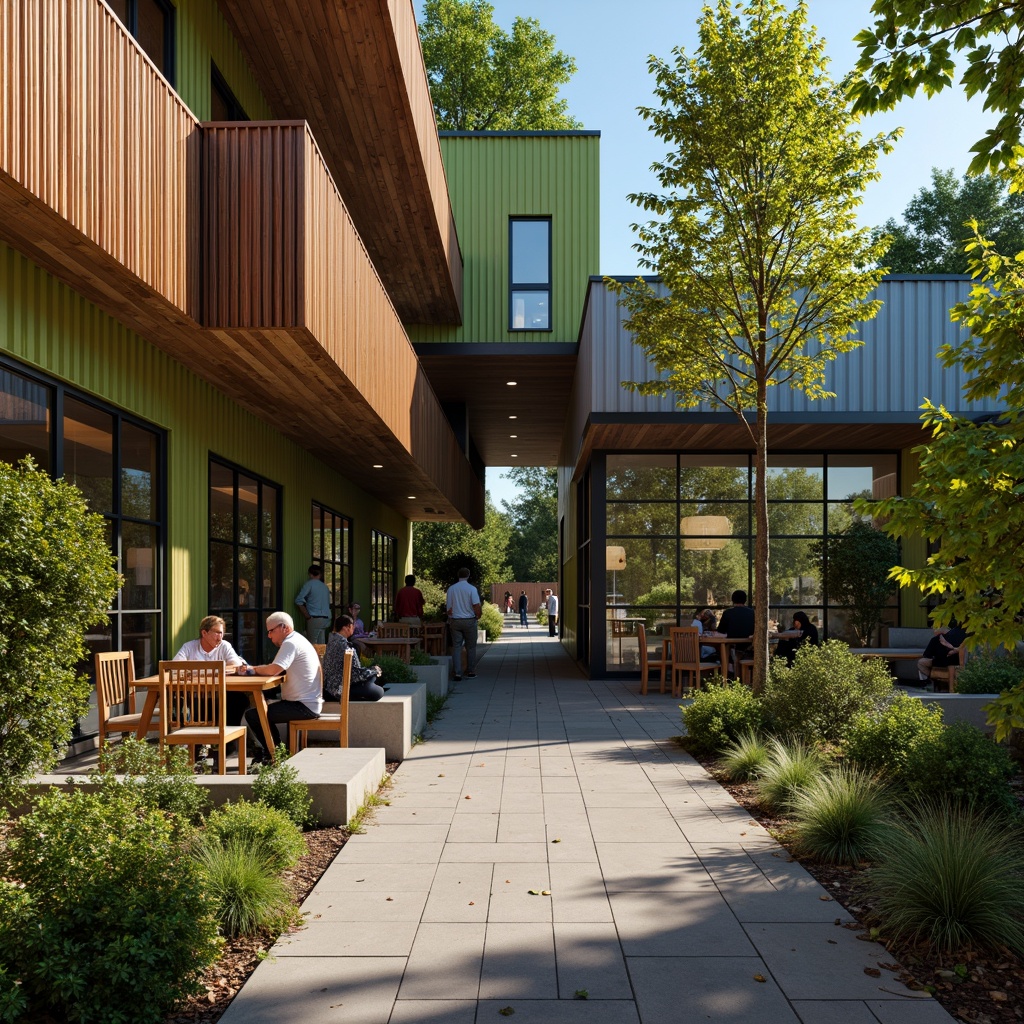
column 705, row 533
column 615, row 558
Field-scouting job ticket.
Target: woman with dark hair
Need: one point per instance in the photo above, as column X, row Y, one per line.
column 808, row 635
column 705, row 622
column 363, row 684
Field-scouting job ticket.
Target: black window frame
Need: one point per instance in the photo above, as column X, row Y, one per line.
column 219, row 84
column 341, row 592
column 545, row 287
column 383, row 573
column 169, row 71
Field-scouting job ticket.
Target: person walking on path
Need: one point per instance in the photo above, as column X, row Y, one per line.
column 314, row 601
column 524, row 607
column 552, row 606
column 409, row 603
column 463, row 606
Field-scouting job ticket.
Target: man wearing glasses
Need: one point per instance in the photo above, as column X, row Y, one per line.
column 301, row 692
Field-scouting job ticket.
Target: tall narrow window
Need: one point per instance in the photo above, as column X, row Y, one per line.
column 223, row 104
column 332, row 551
column 530, row 274
column 151, row 22
column 382, row 574
column 245, row 556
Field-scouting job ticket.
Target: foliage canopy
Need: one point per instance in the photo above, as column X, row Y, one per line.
column 533, row 516
column 484, row 79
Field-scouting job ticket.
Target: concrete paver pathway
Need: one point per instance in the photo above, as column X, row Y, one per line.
column 551, row 840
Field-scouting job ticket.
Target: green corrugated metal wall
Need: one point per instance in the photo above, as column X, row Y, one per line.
column 53, row 329
column 202, row 35
column 494, row 177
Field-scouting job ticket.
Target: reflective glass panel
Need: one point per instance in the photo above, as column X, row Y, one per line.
column 531, row 311
column 24, row 419
column 795, row 478
column 248, row 510
column 642, row 518
column 641, row 477
column 269, row 539
column 856, row 476
column 708, row 525
column 89, row 453
column 711, row 477
column 530, row 251
column 222, row 505
column 708, row 577
column 138, row 467
column 800, row 518
column 139, row 564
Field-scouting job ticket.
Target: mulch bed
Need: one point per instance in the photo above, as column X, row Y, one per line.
column 976, row 989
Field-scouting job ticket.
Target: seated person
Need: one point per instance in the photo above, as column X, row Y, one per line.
column 359, row 630
column 363, row 683
column 787, row 646
column 301, row 692
column 705, row 622
column 941, row 650
column 738, row 622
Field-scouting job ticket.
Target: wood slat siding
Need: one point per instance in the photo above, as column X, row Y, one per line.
column 92, row 131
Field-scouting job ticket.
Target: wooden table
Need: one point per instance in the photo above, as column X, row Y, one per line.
column 400, row 645
column 724, row 642
column 254, row 686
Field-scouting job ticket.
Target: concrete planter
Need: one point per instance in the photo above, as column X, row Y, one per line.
column 961, row 707
column 435, row 677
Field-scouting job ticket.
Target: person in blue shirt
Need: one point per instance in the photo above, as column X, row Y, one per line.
column 314, row 601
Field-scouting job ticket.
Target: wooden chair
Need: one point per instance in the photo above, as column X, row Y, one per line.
column 686, row 658
column 193, row 709
column 115, row 687
column 647, row 662
column 298, row 730
column 321, row 650
column 621, row 629
column 435, row 638
column 392, row 630
column 946, row 675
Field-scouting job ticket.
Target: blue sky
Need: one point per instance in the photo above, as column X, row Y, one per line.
column 611, row 43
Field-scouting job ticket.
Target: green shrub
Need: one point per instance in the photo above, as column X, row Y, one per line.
column 278, row 785
column 962, row 765
column 393, row 669
column 840, row 816
column 418, row 656
column 115, row 925
column 15, row 917
column 990, row 673
column 164, row 781
column 249, row 895
column 952, row 877
column 720, row 714
column 825, row 689
column 492, row 622
column 790, row 767
column 57, row 578
column 743, row 758
column 264, row 829
column 880, row 740
column 435, row 598
column 542, row 616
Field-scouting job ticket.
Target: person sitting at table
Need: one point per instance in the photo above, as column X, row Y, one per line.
column 301, row 691
column 363, row 684
column 738, row 622
column 941, row 650
column 704, row 620
column 211, row 646
column 787, row 646
column 359, row 630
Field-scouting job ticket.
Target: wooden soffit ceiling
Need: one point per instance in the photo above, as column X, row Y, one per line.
column 353, row 70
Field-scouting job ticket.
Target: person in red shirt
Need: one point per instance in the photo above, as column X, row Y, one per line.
column 409, row 603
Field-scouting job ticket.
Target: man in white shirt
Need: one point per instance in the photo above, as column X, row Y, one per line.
column 463, row 606
column 301, row 692
column 552, row 606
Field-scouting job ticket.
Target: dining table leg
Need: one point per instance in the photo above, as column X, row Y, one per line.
column 257, row 698
column 146, row 721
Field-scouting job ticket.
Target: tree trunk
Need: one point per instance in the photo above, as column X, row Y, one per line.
column 761, row 542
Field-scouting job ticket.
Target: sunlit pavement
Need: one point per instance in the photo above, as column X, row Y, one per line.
column 551, row 852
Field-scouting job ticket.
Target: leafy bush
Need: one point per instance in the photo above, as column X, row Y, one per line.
column 720, row 714
column 164, row 781
column 962, row 765
column 492, row 622
column 880, row 740
column 542, row 616
column 115, row 925
column 15, row 914
column 264, row 829
column 825, row 689
column 990, row 673
column 417, row 656
column 790, row 768
column 277, row 785
column 743, row 758
column 248, row 893
column 839, row 817
column 56, row 579
column 434, row 599
column 952, row 877
column 392, row 669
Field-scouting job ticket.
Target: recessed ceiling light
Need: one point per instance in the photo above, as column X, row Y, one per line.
column 513, row 417
column 513, row 435
column 511, row 383
column 377, row 465
column 411, row 497
column 515, row 456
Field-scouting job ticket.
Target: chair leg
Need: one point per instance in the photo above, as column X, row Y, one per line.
column 242, row 769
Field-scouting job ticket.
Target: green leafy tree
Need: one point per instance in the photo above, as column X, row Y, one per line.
column 755, row 236
column 533, row 514
column 857, row 569
column 933, row 237
column 57, row 578
column 912, row 46
column 483, row 79
column 437, row 545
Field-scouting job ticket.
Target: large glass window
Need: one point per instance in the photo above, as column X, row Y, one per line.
column 245, row 556
column 530, row 274
column 151, row 22
column 382, row 574
column 679, row 535
column 332, row 551
column 117, row 463
column 224, row 106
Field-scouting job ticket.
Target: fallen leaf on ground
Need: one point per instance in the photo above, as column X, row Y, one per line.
column 873, row 971
column 760, row 977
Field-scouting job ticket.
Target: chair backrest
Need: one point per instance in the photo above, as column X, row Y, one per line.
column 115, row 681
column 435, row 637
column 192, row 693
column 346, row 689
column 321, row 650
column 641, row 635
column 391, row 630
column 685, row 645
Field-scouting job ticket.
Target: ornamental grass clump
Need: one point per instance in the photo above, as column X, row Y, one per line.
column 744, row 758
column 266, row 830
column 790, row 767
column 841, row 816
column 952, row 877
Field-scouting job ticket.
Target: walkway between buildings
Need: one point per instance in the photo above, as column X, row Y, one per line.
column 549, row 842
